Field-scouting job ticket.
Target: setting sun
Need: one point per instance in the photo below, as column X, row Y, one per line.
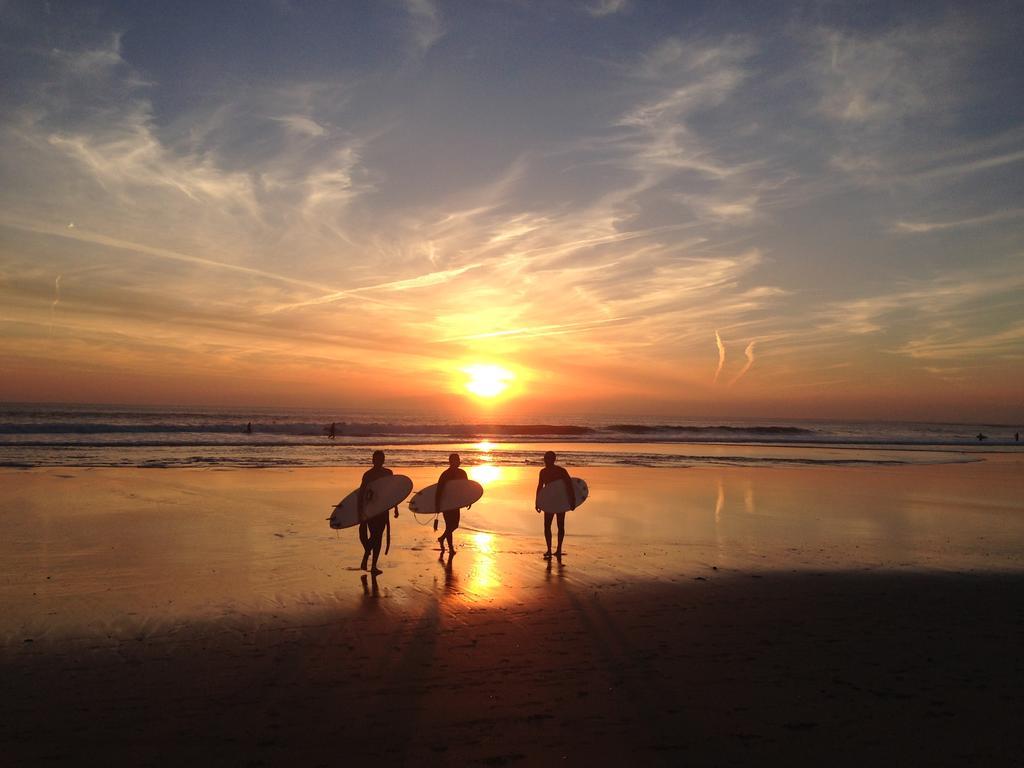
column 487, row 381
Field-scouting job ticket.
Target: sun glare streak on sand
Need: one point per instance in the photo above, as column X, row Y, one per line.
column 483, row 575
column 484, row 474
column 484, row 542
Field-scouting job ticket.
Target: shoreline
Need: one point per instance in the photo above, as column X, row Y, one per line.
column 292, row 455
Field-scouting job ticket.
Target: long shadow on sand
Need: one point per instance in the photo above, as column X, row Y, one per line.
column 806, row 668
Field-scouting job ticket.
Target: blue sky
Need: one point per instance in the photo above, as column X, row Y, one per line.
column 701, row 208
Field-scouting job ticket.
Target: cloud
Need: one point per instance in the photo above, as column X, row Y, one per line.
column 949, row 344
column 874, row 79
column 721, row 357
column 420, row 281
column 301, row 124
column 601, row 8
column 918, row 227
column 542, row 330
column 426, row 22
column 85, row 236
column 954, row 316
column 749, row 353
column 56, row 301
column 973, row 166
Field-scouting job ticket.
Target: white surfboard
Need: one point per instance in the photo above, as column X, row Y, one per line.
column 458, row 493
column 553, row 498
column 381, row 495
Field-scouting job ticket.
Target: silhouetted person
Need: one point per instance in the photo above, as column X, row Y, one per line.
column 1016, row 437
column 552, row 473
column 248, row 428
column 371, row 532
column 452, row 517
column 982, row 436
column 331, row 430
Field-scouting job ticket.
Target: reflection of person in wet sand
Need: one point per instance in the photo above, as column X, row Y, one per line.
column 451, row 581
column 369, row 592
column 371, row 532
column 451, row 516
column 552, row 473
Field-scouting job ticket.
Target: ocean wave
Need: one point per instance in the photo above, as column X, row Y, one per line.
column 457, row 431
column 645, row 429
column 115, row 427
column 386, row 429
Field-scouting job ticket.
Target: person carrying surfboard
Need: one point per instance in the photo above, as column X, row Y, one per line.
column 552, row 473
column 452, row 517
column 371, row 531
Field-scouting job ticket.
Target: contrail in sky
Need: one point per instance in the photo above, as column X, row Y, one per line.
column 749, row 352
column 721, row 356
column 540, row 330
column 56, row 300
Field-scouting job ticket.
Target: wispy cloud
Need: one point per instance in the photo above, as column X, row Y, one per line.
column 948, row 316
column 541, row 330
column 879, row 78
column 973, row 166
column 721, row 357
column 394, row 286
column 601, row 8
column 918, row 227
column 749, row 354
column 56, row 301
column 301, row 124
column 82, row 235
column 954, row 345
column 427, row 28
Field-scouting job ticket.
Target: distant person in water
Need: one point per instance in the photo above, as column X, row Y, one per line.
column 1016, row 437
column 248, row 428
column 330, row 430
column 371, row 532
column 982, row 436
column 452, row 517
column 552, row 473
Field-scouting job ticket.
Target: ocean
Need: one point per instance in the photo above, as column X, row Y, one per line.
column 47, row 435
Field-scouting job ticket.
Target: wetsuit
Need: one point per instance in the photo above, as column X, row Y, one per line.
column 371, row 532
column 452, row 517
column 548, row 475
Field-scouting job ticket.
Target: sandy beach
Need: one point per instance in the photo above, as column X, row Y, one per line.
column 713, row 616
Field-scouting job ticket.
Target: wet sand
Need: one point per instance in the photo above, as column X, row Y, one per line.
column 732, row 616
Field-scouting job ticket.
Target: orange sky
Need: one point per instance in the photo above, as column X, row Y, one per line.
column 630, row 217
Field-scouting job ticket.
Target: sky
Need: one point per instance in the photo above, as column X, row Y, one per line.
column 701, row 209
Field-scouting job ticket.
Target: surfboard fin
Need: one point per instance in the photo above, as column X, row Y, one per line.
column 435, row 522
